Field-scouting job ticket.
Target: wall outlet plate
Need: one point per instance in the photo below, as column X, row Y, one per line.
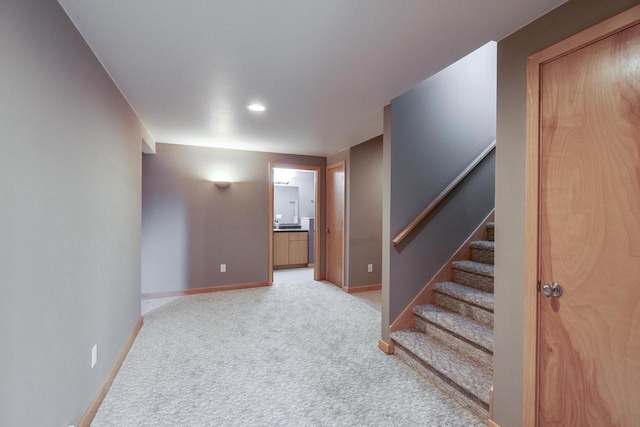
column 223, row 268
column 370, row 268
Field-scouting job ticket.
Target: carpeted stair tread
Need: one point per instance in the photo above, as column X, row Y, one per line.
column 453, row 367
column 467, row 294
column 482, row 251
column 474, row 267
column 451, row 342
column 486, row 245
column 491, row 224
column 462, row 326
column 490, row 231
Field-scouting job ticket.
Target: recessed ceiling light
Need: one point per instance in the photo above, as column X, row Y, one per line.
column 256, row 107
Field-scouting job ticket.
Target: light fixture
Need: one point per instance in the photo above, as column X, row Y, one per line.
column 222, row 184
column 221, row 176
column 256, row 107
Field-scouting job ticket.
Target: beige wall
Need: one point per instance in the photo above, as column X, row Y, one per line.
column 190, row 227
column 513, row 51
column 70, row 191
column 365, row 213
column 386, row 223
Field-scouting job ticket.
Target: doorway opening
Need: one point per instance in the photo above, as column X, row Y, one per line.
column 293, row 275
column 294, row 215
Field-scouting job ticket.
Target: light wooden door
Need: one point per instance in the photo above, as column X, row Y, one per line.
column 335, row 224
column 589, row 235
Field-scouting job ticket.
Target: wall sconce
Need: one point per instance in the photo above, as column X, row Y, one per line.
column 222, row 184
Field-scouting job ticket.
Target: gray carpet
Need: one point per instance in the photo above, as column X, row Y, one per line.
column 294, row 354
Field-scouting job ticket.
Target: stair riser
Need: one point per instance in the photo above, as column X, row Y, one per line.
column 481, row 315
column 454, row 342
column 490, row 235
column 482, row 255
column 484, row 283
column 473, row 404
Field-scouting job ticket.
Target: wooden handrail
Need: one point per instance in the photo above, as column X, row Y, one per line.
column 422, row 215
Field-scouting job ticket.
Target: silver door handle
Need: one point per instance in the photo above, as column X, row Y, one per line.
column 552, row 289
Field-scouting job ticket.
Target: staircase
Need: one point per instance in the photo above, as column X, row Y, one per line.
column 452, row 342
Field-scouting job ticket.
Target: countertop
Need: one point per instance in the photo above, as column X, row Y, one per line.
column 289, row 230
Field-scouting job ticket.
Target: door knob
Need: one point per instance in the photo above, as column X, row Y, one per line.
column 552, row 289
column 328, row 230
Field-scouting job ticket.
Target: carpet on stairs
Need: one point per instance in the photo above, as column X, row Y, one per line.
column 452, row 341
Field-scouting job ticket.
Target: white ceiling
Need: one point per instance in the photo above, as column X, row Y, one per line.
column 325, row 69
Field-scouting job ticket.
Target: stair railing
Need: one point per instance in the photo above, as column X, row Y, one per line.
column 422, row 215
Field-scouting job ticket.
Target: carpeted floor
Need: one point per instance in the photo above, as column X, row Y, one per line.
column 293, row 354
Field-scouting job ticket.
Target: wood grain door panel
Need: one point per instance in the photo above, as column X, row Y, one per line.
column 589, row 338
column 298, row 251
column 280, row 248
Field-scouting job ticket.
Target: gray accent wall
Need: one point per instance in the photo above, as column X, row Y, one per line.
column 70, row 191
column 566, row 20
column 190, row 227
column 439, row 127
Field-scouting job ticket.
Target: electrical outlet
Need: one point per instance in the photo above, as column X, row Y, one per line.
column 370, row 268
column 223, row 268
column 94, row 355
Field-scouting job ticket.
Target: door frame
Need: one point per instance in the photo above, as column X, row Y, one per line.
column 343, row 164
column 317, row 219
column 535, row 62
